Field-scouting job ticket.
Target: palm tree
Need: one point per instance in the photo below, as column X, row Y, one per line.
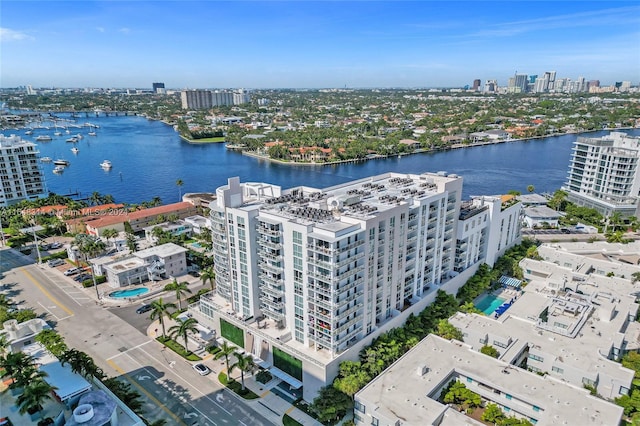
column 531, row 188
column 81, row 363
column 34, row 395
column 14, row 363
column 110, row 233
column 244, row 363
column 108, row 199
column 95, row 198
column 159, row 310
column 183, row 329
column 181, row 289
column 131, row 242
column 156, row 201
column 225, row 351
column 179, row 184
column 208, row 275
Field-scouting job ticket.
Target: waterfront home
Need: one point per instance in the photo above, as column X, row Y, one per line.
column 146, row 217
column 176, row 228
column 540, row 216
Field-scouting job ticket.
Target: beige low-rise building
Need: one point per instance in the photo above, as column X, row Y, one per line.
column 407, row 392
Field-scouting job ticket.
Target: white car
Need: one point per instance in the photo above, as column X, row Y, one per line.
column 202, row 369
column 72, row 271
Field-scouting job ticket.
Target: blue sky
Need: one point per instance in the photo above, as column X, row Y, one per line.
column 267, row 44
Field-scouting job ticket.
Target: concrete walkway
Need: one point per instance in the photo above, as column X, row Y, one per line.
column 269, row 404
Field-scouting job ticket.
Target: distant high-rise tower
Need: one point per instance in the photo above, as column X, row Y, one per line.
column 30, row 90
column 603, row 174
column 158, row 87
column 476, row 85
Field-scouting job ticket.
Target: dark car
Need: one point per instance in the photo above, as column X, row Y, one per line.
column 194, row 273
column 144, row 308
column 82, row 277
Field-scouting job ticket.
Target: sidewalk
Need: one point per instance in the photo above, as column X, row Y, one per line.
column 269, row 404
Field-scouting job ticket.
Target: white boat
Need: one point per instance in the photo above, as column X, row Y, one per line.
column 67, row 131
column 72, row 139
column 28, row 132
column 45, row 159
column 79, row 136
column 58, row 169
column 61, row 162
column 106, row 164
column 57, row 133
column 75, row 150
column 92, row 134
column 43, row 138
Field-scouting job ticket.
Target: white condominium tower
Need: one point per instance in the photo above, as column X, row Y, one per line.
column 306, row 277
column 603, row 174
column 20, row 176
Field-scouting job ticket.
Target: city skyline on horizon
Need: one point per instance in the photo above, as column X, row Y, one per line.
column 272, row 45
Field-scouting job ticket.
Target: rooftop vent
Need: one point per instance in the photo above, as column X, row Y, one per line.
column 83, row 413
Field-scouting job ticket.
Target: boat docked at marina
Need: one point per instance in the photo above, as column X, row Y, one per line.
column 43, row 138
column 106, row 164
column 45, row 159
column 72, row 139
column 61, row 162
column 92, row 134
column 58, row 169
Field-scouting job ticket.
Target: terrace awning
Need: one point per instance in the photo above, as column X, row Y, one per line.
column 294, row 383
column 509, row 281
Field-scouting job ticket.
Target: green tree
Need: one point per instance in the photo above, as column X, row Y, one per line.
column 244, row 363
column 351, row 384
column 490, row 350
column 52, row 341
column 34, row 395
column 81, row 363
column 160, row 310
column 180, row 289
column 225, row 351
column 110, row 233
column 132, row 245
column 182, row 329
column 531, row 188
column 179, row 184
column 330, row 405
column 492, row 414
column 208, row 275
column 446, row 330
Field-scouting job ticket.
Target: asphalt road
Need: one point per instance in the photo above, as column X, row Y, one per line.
column 170, row 388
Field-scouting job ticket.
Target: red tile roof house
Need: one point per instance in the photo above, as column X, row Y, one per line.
column 115, row 219
column 140, row 219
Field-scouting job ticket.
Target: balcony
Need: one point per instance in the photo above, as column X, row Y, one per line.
column 268, row 266
column 271, row 290
column 270, row 244
column 268, row 231
column 272, row 303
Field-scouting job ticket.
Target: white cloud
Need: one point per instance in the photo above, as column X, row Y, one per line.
column 100, row 29
column 124, row 30
column 8, row 35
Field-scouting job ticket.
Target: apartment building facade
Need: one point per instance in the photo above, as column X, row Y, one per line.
column 603, row 174
column 320, row 272
column 20, row 175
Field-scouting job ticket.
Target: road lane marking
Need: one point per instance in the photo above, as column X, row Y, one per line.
column 130, row 349
column 46, row 293
column 162, row 383
column 145, row 392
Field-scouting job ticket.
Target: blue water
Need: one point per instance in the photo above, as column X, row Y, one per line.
column 128, row 293
column 489, row 303
column 196, row 245
column 148, row 157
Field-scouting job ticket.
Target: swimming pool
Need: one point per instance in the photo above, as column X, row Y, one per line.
column 196, row 245
column 128, row 293
column 488, row 303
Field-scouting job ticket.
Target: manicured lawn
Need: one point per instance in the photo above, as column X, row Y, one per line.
column 206, row 140
column 178, row 348
column 289, row 421
column 236, row 387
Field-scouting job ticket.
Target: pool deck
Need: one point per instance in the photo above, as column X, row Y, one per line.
column 502, row 293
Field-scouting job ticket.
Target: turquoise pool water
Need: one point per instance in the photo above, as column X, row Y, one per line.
column 488, row 303
column 128, row 293
column 196, row 245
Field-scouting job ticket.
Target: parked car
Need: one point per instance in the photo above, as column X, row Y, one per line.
column 55, row 245
column 202, row 369
column 55, row 262
column 82, row 277
column 44, row 246
column 72, row 271
column 144, row 308
column 194, row 273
